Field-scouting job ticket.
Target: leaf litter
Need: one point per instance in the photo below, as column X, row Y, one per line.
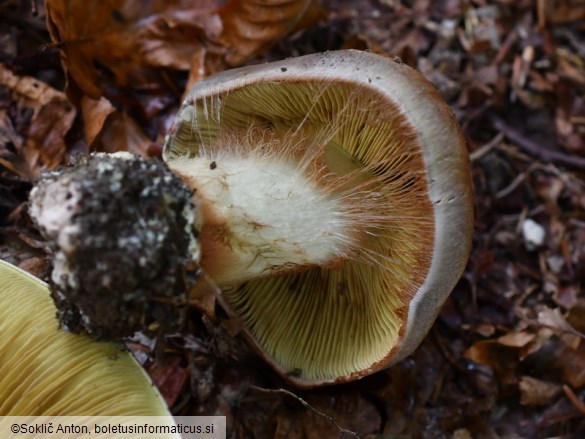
column 506, row 357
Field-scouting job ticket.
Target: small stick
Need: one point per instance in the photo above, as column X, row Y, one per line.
column 532, row 148
column 305, row 404
column 573, row 398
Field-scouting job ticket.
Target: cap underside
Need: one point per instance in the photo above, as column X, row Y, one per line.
column 45, row 371
column 345, row 320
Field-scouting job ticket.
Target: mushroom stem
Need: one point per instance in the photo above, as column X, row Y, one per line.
column 123, row 231
column 262, row 216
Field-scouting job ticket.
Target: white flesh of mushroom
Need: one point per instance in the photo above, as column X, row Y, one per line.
column 277, row 217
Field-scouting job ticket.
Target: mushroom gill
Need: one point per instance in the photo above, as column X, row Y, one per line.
column 340, row 319
column 45, row 371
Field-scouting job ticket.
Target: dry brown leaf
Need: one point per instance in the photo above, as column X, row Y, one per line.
column 250, row 26
column 516, row 339
column 543, row 335
column 11, row 144
column 108, row 42
column 502, row 358
column 553, row 319
column 483, row 329
column 571, row 66
column 34, row 127
column 17, row 252
column 462, row 433
column 169, row 377
column 563, row 11
column 37, row 266
column 576, row 316
column 203, row 295
column 537, row 392
column 94, row 112
column 571, row 362
column 118, row 50
column 121, row 133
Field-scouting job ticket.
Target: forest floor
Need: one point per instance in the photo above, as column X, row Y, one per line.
column 506, row 356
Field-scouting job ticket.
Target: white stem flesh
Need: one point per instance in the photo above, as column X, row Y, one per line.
column 261, row 216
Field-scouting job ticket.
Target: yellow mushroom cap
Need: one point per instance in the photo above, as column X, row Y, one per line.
column 378, row 138
column 45, row 371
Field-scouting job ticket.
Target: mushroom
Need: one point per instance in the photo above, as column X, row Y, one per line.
column 48, row 372
column 333, row 208
column 336, row 207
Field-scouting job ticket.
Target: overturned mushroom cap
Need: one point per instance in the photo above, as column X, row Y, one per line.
column 45, row 371
column 382, row 151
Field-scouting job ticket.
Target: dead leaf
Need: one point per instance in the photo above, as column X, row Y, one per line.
column 462, row 433
column 567, row 296
column 37, row 266
column 563, row 11
column 537, row 392
column 543, row 335
column 203, row 295
column 250, row 26
column 516, row 339
column 33, row 127
column 553, row 319
column 118, row 51
column 169, row 377
column 19, row 253
column 108, row 42
column 121, row 133
column 94, row 112
column 483, row 329
column 502, row 358
column 576, row 316
column 571, row 362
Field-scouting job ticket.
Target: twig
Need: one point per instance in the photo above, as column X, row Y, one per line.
column 573, row 398
column 487, row 147
column 305, row 404
column 510, row 188
column 532, row 148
